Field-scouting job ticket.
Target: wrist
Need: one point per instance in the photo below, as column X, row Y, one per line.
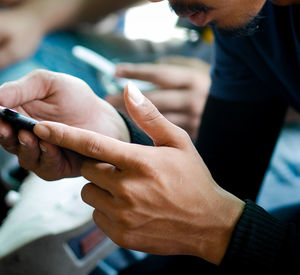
column 121, row 130
column 109, row 122
column 227, row 210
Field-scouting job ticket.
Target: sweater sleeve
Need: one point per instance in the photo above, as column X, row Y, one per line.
column 136, row 134
column 261, row 242
column 236, row 141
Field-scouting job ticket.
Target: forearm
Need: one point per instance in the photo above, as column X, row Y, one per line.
column 236, row 141
column 56, row 14
column 261, row 242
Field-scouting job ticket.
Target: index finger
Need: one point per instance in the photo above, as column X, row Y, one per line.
column 170, row 100
column 87, row 143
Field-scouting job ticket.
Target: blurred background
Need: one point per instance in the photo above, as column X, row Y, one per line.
column 45, row 228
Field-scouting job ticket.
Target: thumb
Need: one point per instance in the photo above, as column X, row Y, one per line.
column 150, row 120
column 33, row 86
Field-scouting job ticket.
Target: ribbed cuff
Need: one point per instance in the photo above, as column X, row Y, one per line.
column 256, row 241
column 136, row 134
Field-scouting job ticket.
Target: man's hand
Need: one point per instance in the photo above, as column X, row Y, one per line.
column 181, row 96
column 45, row 95
column 23, row 23
column 20, row 35
column 161, row 199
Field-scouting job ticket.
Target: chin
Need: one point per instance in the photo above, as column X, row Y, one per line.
column 239, row 28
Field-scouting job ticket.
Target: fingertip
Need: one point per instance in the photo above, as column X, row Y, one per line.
column 27, row 138
column 6, row 130
column 42, row 130
column 133, row 93
column 43, row 147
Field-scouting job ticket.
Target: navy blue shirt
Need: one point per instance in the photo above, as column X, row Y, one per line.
column 265, row 65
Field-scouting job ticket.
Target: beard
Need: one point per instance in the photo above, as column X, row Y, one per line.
column 247, row 29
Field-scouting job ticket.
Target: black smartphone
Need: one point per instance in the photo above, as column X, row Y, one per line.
column 17, row 120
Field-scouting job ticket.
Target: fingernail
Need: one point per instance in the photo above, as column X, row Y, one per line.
column 135, row 94
column 43, row 148
column 22, row 143
column 42, row 131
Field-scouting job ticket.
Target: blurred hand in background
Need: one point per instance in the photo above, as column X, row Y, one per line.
column 181, row 91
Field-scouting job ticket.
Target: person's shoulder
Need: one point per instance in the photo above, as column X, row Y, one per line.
column 244, row 64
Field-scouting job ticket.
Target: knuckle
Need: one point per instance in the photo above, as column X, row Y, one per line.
column 122, row 239
column 126, row 193
column 43, row 72
column 184, row 137
column 93, row 146
column 60, row 136
column 125, row 219
column 43, row 76
column 39, row 73
column 119, row 235
column 183, row 134
column 152, row 115
column 85, row 192
column 143, row 164
column 18, row 90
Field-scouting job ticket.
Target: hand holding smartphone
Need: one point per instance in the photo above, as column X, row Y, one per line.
column 17, row 120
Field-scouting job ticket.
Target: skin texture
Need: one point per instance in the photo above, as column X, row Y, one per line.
column 51, row 96
column 139, row 193
column 143, row 199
